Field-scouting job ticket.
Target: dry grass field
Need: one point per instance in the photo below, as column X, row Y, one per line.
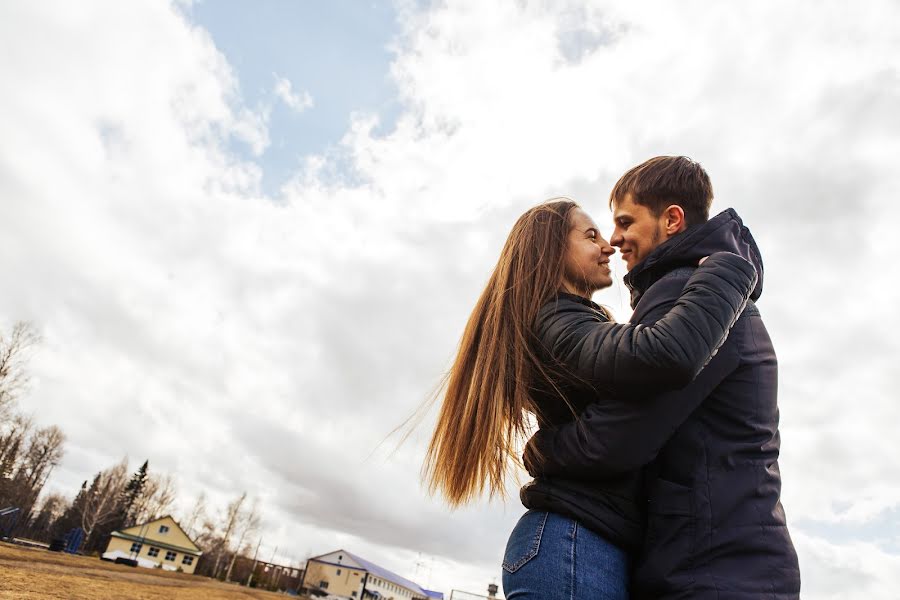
column 39, row 574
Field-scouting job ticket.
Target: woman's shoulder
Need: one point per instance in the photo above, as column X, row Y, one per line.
column 564, row 303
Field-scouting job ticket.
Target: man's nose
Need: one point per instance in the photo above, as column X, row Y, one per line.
column 616, row 239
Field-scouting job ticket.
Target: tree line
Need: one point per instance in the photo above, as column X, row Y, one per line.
column 112, row 499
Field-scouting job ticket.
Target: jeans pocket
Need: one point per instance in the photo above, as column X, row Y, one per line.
column 525, row 540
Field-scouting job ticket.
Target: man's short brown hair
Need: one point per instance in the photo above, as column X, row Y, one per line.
column 666, row 180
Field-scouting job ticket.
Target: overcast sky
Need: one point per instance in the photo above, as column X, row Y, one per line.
column 250, row 235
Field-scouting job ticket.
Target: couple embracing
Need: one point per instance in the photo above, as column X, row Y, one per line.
column 655, row 463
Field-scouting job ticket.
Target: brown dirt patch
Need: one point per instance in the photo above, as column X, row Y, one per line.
column 36, row 574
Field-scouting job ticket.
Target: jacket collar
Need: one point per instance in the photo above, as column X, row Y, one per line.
column 724, row 232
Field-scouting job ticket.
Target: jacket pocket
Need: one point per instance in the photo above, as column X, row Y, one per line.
column 525, row 540
column 670, row 498
column 671, row 536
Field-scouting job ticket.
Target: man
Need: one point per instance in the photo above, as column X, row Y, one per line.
column 715, row 526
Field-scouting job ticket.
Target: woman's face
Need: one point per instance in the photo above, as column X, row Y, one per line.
column 587, row 257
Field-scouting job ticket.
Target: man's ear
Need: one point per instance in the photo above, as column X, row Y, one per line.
column 673, row 218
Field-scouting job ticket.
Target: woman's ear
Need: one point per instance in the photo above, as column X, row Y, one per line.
column 674, row 219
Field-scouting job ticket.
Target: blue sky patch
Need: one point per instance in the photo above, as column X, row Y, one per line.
column 337, row 52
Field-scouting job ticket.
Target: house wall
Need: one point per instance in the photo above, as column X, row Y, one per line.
column 342, row 580
column 123, row 545
column 389, row 589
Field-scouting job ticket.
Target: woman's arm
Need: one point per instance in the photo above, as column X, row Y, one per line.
column 667, row 354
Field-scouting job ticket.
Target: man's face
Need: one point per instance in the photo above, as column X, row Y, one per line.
column 638, row 231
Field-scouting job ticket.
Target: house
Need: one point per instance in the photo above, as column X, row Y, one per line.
column 161, row 542
column 343, row 574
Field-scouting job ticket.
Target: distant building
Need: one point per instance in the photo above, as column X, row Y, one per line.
column 346, row 575
column 161, row 542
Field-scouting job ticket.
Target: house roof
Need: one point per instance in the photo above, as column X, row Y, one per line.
column 380, row 572
column 145, row 533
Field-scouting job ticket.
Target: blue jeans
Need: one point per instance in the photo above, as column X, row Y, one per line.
column 551, row 557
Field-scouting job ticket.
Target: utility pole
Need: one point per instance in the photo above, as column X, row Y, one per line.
column 134, row 555
column 253, row 569
column 272, row 563
column 362, row 594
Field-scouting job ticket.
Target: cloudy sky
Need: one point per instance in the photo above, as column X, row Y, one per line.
column 250, row 235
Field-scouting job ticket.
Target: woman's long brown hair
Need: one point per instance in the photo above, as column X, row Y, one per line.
column 482, row 419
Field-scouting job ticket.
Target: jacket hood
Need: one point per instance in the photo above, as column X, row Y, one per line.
column 725, row 232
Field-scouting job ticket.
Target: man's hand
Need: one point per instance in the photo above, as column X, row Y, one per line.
column 533, row 451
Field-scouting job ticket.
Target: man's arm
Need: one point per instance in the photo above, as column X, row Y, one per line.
column 619, row 435
column 666, row 352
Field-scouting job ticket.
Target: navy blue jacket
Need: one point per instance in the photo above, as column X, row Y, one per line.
column 715, row 527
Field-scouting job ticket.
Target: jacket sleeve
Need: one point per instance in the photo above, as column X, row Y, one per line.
column 667, row 354
column 620, row 435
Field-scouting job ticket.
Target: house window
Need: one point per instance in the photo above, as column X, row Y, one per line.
column 136, row 547
column 353, row 594
column 153, row 551
column 164, row 529
column 187, row 560
column 338, row 571
column 323, row 584
column 170, row 555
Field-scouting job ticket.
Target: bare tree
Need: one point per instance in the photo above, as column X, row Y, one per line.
column 198, row 512
column 51, row 509
column 248, row 524
column 13, row 358
column 157, row 498
column 100, row 504
column 210, row 539
column 42, row 453
column 14, row 432
column 232, row 517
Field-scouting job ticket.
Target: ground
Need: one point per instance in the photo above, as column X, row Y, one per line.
column 34, row 574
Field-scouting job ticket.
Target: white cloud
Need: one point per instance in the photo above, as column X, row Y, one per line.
column 847, row 570
column 298, row 102
column 271, row 344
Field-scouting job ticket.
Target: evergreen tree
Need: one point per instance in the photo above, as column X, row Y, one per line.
column 133, row 490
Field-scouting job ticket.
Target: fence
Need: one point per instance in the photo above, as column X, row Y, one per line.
column 461, row 595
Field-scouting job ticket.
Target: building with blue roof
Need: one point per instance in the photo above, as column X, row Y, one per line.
column 346, row 575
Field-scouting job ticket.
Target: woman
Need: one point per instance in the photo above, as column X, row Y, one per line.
column 509, row 366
